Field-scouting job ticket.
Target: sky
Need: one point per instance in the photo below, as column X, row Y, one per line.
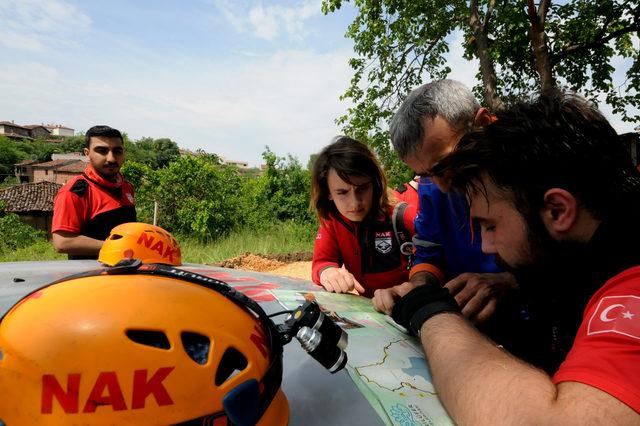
column 227, row 76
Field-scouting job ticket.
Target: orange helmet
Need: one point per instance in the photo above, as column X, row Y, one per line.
column 143, row 344
column 137, row 240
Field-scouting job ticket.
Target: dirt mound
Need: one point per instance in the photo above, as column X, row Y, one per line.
column 252, row 262
column 264, row 263
column 296, row 265
column 301, row 256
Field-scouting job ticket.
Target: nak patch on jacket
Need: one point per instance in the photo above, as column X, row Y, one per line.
column 616, row 314
column 383, row 242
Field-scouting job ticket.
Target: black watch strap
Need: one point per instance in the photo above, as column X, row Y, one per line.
column 420, row 304
column 429, row 310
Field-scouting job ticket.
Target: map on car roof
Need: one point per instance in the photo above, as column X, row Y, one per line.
column 402, row 392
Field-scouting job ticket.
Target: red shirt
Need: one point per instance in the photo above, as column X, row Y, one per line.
column 369, row 250
column 90, row 205
column 606, row 350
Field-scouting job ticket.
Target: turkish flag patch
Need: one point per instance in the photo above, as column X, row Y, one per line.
column 616, row 314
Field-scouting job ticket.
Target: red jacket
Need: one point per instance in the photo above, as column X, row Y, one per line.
column 90, row 205
column 408, row 194
column 368, row 249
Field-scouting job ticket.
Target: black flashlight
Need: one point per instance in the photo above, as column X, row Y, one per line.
column 322, row 338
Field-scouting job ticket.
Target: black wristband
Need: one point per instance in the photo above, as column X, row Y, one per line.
column 429, row 310
column 420, row 304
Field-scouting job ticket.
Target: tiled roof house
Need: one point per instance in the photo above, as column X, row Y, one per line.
column 69, row 171
column 24, row 170
column 33, row 202
column 12, row 130
column 38, row 131
column 60, row 130
column 59, row 171
column 46, row 171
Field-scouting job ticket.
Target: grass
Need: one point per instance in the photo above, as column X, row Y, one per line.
column 286, row 237
column 42, row 250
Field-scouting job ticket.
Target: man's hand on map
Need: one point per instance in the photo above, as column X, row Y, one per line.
column 478, row 294
column 339, row 280
column 384, row 299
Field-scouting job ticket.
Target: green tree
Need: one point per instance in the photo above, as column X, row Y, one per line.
column 38, row 149
column 135, row 172
column 209, row 157
column 141, row 151
column 72, row 144
column 521, row 47
column 283, row 191
column 166, row 151
column 143, row 179
column 196, row 197
column 10, row 154
column 155, row 153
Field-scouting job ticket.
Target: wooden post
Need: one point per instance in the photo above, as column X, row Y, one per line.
column 155, row 213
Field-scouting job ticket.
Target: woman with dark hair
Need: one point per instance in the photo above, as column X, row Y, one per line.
column 356, row 247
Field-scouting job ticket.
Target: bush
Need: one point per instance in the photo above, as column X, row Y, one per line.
column 200, row 198
column 196, row 197
column 281, row 194
column 16, row 234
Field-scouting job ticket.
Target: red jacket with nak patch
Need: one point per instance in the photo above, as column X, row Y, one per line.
column 368, row 249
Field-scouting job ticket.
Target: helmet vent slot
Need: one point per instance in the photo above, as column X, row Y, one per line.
column 156, row 339
column 197, row 346
column 232, row 363
column 115, row 237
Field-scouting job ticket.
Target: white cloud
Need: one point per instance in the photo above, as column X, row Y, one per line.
column 19, row 41
column 36, row 25
column 287, row 100
column 269, row 22
column 265, row 22
column 226, row 8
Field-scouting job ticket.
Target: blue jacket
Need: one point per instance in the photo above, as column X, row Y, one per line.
column 444, row 222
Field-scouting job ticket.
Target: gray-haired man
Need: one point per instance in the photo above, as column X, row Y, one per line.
column 425, row 129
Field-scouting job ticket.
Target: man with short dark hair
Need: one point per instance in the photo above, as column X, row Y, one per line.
column 558, row 201
column 87, row 207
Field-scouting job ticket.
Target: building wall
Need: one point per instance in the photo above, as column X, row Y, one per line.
column 64, row 177
column 24, row 174
column 8, row 129
column 39, row 133
column 58, row 131
column 238, row 164
column 40, row 175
